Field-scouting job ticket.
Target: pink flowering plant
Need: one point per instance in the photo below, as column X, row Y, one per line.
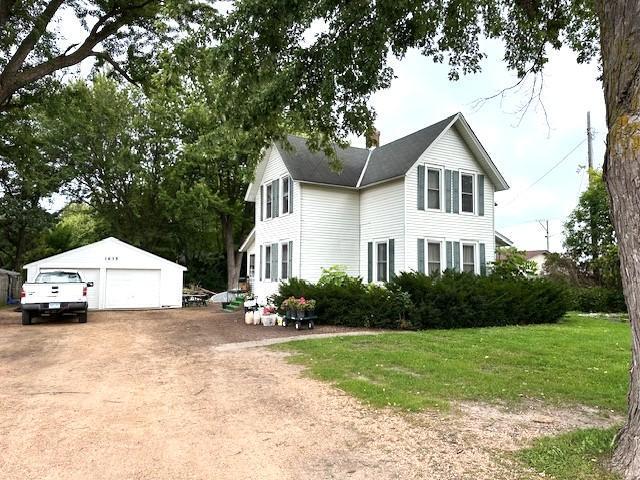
column 269, row 310
column 298, row 306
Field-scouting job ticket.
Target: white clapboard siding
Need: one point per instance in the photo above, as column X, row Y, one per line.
column 329, row 230
column 450, row 152
column 382, row 216
column 276, row 230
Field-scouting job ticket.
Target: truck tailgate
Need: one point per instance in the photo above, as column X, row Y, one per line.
column 53, row 292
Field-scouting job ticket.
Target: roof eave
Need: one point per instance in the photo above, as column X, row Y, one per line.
column 499, row 182
column 248, row 240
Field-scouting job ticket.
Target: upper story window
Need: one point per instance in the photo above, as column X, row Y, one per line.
column 469, row 258
column 382, row 262
column 433, row 188
column 434, row 258
column 285, row 194
column 466, row 192
column 269, row 203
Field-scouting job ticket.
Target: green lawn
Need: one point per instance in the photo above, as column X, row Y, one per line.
column 575, row 455
column 578, row 361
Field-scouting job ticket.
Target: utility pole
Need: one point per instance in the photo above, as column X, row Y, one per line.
column 589, row 141
column 545, row 227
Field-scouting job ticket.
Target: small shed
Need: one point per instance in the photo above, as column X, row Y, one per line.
column 10, row 284
column 123, row 276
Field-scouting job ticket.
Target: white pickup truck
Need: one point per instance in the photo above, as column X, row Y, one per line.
column 55, row 293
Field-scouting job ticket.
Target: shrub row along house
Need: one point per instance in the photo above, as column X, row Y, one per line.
column 424, row 202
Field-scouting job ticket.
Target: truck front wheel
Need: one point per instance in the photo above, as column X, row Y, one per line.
column 26, row 318
column 82, row 317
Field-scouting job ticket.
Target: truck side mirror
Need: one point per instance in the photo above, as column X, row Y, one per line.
column 89, row 284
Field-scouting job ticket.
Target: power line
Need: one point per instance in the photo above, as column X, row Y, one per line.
column 547, row 172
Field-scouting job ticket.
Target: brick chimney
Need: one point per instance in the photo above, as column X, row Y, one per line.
column 373, row 138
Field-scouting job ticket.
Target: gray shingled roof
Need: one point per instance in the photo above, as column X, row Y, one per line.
column 396, row 158
column 307, row 166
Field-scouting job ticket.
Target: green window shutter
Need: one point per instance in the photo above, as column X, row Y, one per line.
column 483, row 260
column 261, row 203
column 420, row 187
column 370, row 262
column 275, row 198
column 447, row 190
column 291, row 260
column 421, row 255
column 480, row 194
column 274, row 262
column 392, row 259
column 456, row 256
column 290, row 195
column 260, row 275
column 455, row 191
column 449, row 247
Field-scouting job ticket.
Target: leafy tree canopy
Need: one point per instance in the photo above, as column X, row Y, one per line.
column 590, row 237
column 124, row 34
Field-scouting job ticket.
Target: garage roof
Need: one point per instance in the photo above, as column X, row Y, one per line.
column 105, row 242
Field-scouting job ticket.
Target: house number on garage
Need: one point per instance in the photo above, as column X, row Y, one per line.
column 111, row 259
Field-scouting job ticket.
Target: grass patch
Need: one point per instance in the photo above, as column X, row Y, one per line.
column 581, row 360
column 577, row 455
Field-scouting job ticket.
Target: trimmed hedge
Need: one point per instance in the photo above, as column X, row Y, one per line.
column 596, row 299
column 460, row 300
column 417, row 301
column 350, row 303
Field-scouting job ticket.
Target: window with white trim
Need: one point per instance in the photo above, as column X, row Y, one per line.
column 382, row 261
column 466, row 192
column 269, row 199
column 285, row 194
column 469, row 258
column 434, row 191
column 434, row 258
column 267, row 262
column 284, row 267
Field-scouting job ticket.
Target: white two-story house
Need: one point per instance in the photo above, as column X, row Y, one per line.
column 424, row 202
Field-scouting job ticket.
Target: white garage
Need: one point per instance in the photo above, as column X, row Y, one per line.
column 123, row 276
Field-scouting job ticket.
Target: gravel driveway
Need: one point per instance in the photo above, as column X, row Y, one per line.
column 149, row 395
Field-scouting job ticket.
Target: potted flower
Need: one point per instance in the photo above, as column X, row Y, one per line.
column 310, row 306
column 301, row 308
column 268, row 316
column 290, row 305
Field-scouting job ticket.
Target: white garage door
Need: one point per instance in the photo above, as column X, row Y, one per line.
column 132, row 288
column 87, row 275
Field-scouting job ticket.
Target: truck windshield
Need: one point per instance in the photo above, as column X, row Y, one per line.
column 58, row 277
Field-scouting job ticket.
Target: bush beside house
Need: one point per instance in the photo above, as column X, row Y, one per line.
column 596, row 300
column 417, row 301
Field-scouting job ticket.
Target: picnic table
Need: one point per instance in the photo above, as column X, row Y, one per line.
column 195, row 299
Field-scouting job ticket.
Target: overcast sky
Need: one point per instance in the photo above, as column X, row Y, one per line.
column 523, row 148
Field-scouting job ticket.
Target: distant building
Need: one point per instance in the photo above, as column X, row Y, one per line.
column 539, row 257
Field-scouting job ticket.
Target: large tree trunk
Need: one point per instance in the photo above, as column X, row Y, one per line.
column 620, row 41
column 234, row 258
